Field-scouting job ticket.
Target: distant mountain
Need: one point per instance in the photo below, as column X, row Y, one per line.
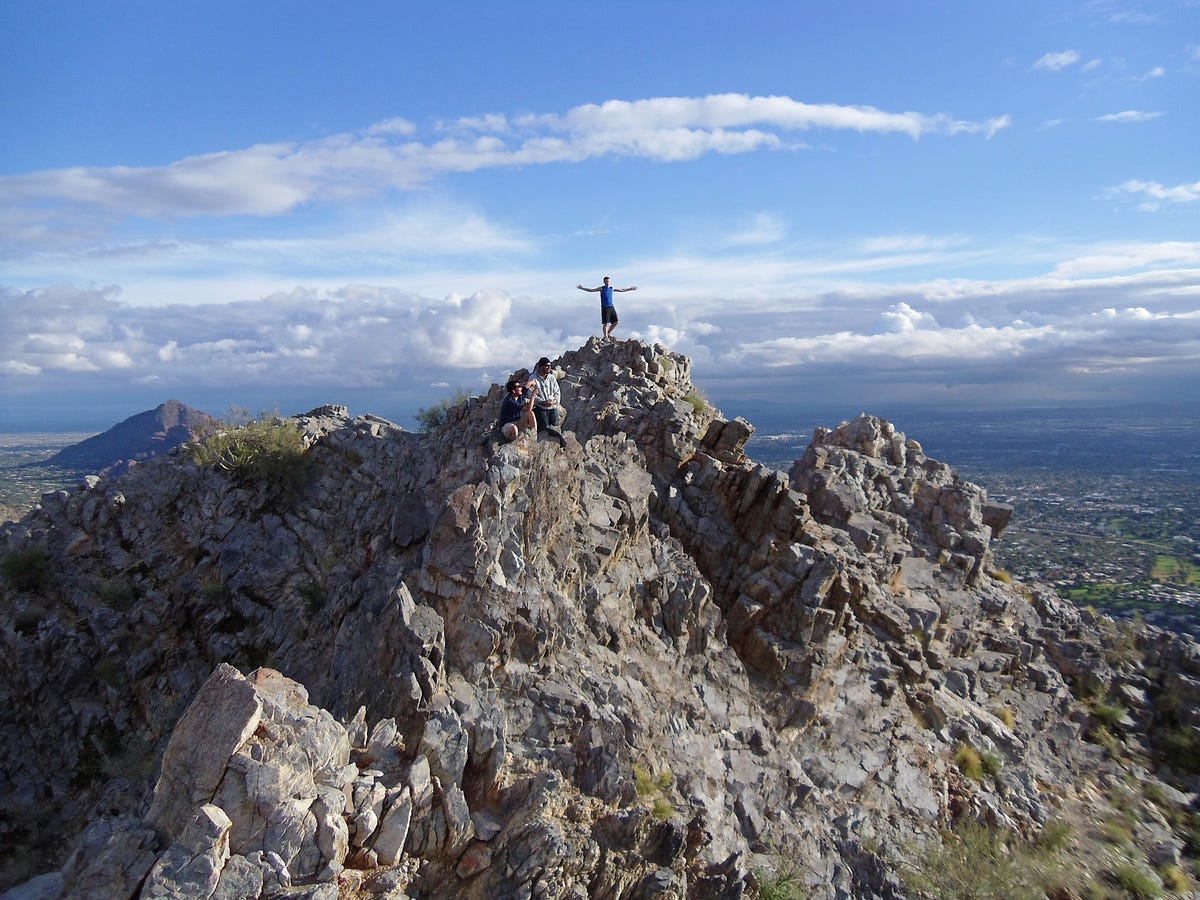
column 137, row 439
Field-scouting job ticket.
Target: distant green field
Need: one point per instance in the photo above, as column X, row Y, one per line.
column 1098, row 594
column 1174, row 570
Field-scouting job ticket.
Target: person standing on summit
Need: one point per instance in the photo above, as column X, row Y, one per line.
column 608, row 312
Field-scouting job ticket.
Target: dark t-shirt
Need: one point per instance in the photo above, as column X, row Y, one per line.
column 510, row 409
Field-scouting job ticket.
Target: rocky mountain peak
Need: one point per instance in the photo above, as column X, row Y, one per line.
column 628, row 663
column 136, row 439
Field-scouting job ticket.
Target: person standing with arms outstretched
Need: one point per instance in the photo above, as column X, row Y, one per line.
column 608, row 312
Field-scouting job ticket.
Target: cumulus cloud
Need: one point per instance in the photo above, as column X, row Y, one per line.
column 1057, row 61
column 270, row 179
column 903, row 319
column 1131, row 307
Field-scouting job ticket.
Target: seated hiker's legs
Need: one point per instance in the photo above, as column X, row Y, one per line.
column 509, row 431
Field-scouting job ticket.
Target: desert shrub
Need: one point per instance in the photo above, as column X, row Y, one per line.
column 1001, row 575
column 431, row 418
column 698, row 401
column 969, row 762
column 654, row 790
column 28, row 569
column 991, row 764
column 314, row 594
column 268, row 450
column 1181, row 749
column 643, row 783
column 783, row 885
column 1054, row 836
column 662, row 809
column 1138, row 881
column 116, row 594
column 979, row 863
column 1120, row 641
column 1117, row 831
column 1108, row 715
column 1007, row 715
column 1176, row 880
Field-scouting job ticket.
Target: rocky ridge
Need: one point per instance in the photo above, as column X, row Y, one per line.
column 630, row 663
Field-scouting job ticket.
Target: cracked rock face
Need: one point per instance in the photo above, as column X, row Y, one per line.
column 627, row 663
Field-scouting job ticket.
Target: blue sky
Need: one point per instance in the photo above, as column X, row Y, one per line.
column 951, row 204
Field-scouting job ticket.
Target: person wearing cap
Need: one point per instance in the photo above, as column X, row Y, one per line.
column 516, row 409
column 608, row 312
column 545, row 407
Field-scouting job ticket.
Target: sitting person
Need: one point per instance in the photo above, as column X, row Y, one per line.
column 545, row 408
column 516, row 410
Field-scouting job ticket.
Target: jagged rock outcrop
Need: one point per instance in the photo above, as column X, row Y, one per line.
column 630, row 663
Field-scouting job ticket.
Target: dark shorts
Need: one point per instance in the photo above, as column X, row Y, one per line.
column 608, row 314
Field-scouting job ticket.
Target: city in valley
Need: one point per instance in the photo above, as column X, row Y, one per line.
column 1106, row 506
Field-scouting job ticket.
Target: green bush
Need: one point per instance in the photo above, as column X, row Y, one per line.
column 969, row 762
column 654, row 791
column 27, row 570
column 979, row 863
column 662, row 809
column 268, row 450
column 1108, row 715
column 1138, row 881
column 1055, row 835
column 1175, row 879
column 434, row 417
column 991, row 764
column 698, row 401
column 117, row 595
column 780, row 886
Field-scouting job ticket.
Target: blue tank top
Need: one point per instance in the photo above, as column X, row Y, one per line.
column 606, row 295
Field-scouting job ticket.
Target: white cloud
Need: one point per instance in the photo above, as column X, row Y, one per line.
column 910, row 243
column 1130, row 257
column 1130, row 306
column 1054, row 62
column 903, row 319
column 1150, row 75
column 272, row 179
column 1129, row 115
column 393, row 126
column 1155, row 195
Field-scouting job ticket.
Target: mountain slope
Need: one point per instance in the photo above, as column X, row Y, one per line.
column 630, row 664
column 137, row 438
